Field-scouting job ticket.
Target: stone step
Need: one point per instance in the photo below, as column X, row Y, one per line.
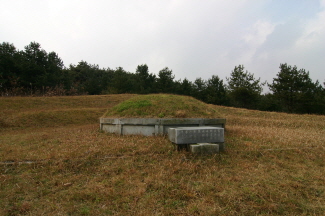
column 204, row 148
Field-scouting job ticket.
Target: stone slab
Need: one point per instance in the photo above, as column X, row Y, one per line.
column 190, row 135
column 204, row 148
column 141, row 130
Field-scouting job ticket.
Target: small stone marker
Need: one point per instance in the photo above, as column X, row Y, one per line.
column 204, row 148
column 190, row 135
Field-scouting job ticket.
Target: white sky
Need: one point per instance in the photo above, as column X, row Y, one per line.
column 194, row 38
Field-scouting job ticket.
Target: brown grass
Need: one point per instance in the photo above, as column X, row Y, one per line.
column 274, row 164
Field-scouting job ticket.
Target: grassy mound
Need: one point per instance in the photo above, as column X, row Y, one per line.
column 162, row 106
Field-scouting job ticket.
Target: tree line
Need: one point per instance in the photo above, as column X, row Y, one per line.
column 35, row 72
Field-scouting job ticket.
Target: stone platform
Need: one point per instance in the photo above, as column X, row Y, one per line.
column 198, row 135
column 154, row 126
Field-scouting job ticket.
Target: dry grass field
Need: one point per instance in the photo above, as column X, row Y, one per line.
column 55, row 161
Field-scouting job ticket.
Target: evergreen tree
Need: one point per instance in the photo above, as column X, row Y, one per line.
column 53, row 76
column 294, row 89
column 165, row 81
column 244, row 89
column 187, row 87
column 216, row 91
column 34, row 63
column 9, row 73
column 184, row 87
column 199, row 89
column 121, row 82
column 86, row 78
column 145, row 81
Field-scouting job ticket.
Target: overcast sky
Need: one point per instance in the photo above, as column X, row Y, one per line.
column 194, row 38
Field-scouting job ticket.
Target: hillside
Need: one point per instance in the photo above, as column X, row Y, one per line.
column 22, row 112
column 55, row 161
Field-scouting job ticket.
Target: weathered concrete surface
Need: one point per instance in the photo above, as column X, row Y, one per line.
column 204, row 148
column 189, row 135
column 222, row 146
column 152, row 126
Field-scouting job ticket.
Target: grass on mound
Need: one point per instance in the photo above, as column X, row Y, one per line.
column 162, row 106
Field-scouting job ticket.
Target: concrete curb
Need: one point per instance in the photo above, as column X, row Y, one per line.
column 154, row 126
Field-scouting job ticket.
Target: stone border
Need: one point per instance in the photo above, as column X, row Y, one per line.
column 154, row 126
